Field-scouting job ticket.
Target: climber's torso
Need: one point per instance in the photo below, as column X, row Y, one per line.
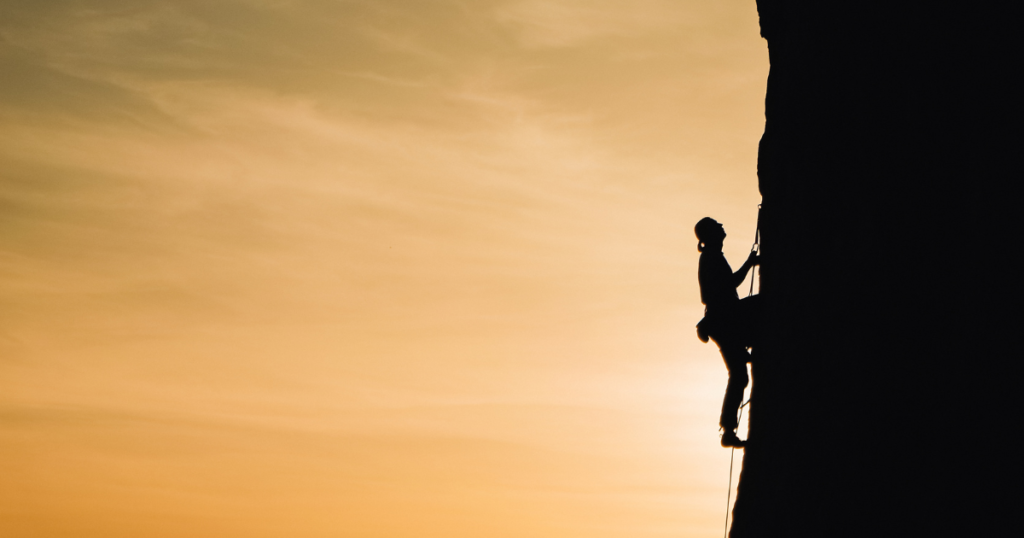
column 717, row 289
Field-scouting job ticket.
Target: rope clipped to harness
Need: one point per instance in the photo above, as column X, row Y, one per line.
column 732, row 453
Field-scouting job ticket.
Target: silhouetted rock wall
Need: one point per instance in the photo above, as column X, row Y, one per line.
column 887, row 246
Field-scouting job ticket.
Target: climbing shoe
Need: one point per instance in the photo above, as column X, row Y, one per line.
column 729, row 440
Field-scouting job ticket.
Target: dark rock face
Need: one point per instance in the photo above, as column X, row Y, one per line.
column 887, row 245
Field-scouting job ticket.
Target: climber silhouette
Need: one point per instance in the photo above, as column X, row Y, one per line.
column 729, row 321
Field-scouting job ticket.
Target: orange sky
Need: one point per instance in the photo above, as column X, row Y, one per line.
column 293, row 268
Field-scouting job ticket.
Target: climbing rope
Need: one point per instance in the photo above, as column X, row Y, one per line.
column 732, row 455
column 755, row 248
column 728, row 497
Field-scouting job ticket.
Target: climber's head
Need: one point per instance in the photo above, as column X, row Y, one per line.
column 709, row 233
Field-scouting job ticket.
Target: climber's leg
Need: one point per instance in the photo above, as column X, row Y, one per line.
column 748, row 321
column 736, row 358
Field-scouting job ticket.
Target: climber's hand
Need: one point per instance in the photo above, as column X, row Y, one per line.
column 753, row 259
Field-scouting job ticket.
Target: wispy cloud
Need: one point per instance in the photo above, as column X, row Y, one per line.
column 566, row 23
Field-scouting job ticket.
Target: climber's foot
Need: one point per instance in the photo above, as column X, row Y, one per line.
column 729, row 440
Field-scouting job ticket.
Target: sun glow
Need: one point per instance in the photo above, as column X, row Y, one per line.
column 367, row 268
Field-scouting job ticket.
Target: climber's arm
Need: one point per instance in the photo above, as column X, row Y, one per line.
column 741, row 274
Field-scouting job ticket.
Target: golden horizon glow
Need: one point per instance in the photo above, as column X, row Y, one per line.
column 348, row 268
